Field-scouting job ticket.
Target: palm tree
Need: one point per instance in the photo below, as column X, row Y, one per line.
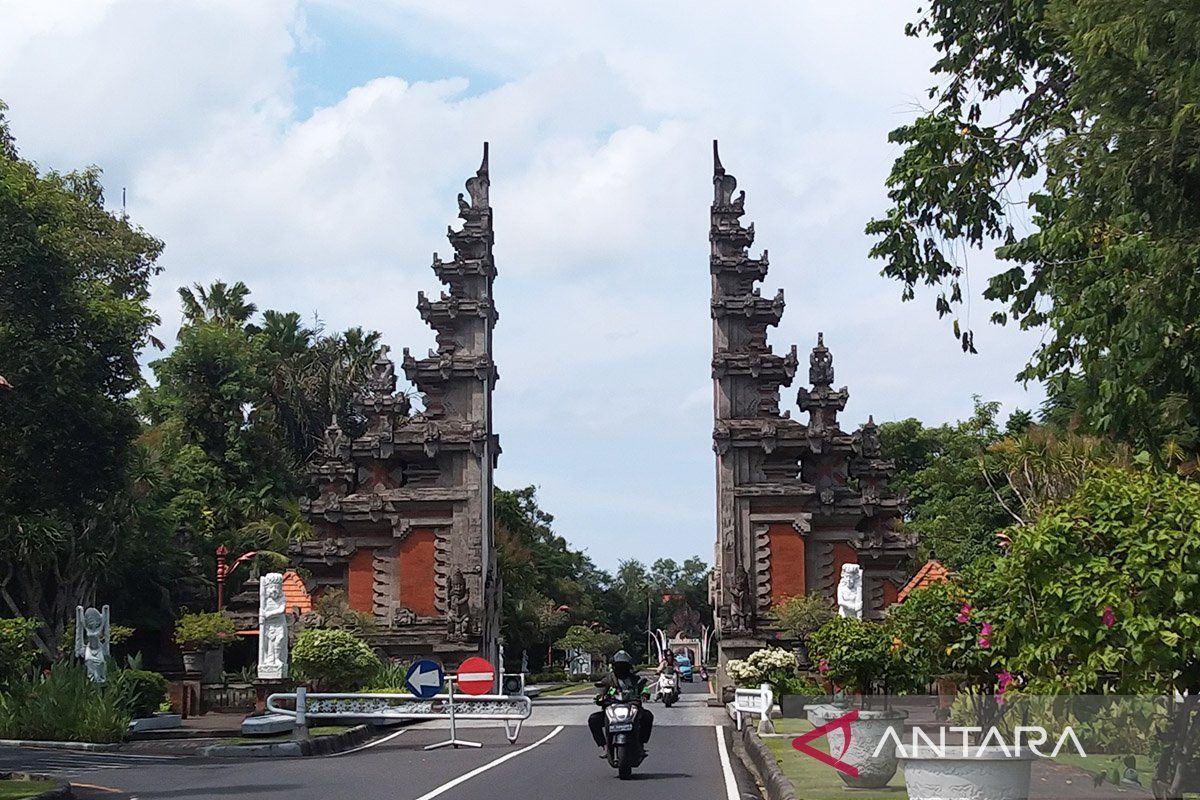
column 219, row 303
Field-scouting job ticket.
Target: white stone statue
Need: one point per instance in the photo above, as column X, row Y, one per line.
column 92, row 641
column 272, row 628
column 850, row 592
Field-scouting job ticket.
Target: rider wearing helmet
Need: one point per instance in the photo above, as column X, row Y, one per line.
column 622, row 677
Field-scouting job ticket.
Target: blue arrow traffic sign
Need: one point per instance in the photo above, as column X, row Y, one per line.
column 425, row 678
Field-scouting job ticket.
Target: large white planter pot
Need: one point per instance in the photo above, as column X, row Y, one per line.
column 972, row 773
column 866, row 733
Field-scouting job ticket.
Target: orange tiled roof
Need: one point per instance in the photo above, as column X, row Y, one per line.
column 295, row 594
column 930, row 572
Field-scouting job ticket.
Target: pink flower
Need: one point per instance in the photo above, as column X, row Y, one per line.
column 823, row 666
column 985, row 634
column 1002, row 682
column 964, row 613
column 1109, row 618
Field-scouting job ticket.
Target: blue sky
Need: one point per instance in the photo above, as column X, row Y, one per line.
column 314, row 150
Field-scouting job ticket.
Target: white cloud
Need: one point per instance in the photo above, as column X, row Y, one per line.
column 600, row 120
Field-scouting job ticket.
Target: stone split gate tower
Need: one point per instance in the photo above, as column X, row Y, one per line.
column 795, row 501
column 403, row 513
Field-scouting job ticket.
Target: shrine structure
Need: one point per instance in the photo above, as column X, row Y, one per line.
column 403, row 513
column 795, row 501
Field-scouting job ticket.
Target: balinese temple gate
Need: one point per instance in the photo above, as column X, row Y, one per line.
column 795, row 501
column 403, row 512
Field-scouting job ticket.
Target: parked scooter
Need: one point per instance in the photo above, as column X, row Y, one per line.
column 623, row 748
column 668, row 687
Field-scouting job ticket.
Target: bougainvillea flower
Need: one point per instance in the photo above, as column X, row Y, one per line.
column 1109, row 618
column 985, row 634
column 964, row 613
column 823, row 666
column 1002, row 682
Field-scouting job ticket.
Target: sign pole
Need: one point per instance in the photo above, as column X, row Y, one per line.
column 453, row 741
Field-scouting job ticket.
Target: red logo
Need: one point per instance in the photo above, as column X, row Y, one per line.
column 843, row 722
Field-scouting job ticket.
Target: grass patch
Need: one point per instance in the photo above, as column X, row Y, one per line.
column 15, row 790
column 814, row 780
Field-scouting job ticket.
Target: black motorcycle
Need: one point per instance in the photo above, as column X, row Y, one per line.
column 622, row 734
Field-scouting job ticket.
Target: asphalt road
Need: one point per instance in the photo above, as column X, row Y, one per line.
column 554, row 758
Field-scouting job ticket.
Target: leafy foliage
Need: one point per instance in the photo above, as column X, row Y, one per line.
column 63, row 705
column 1099, row 102
column 1125, row 541
column 583, row 639
column 203, row 630
column 17, row 651
column 952, row 507
column 142, row 691
column 803, row 615
column 74, row 317
column 858, row 655
column 334, row 658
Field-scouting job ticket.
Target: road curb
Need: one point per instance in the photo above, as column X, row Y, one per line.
column 54, row 745
column 60, row 792
column 760, row 761
column 320, row 746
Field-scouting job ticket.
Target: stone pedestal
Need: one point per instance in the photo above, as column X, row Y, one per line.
column 265, row 688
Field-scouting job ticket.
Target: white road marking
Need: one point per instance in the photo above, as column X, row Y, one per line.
column 387, row 738
column 731, row 787
column 479, row 770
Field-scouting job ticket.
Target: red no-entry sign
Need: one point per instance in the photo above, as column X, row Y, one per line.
column 476, row 676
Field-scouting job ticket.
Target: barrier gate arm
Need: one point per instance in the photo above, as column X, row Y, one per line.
column 302, row 711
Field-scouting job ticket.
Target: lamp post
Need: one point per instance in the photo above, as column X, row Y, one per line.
column 223, row 570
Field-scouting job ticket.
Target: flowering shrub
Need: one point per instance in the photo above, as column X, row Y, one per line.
column 772, row 665
column 858, row 654
column 199, row 631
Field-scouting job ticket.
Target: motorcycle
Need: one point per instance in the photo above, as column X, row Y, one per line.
column 623, row 741
column 668, row 688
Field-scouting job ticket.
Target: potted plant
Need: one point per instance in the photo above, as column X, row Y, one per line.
column 198, row 633
column 943, row 635
column 802, row 616
column 859, row 655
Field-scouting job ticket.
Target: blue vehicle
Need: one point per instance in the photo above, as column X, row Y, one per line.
column 683, row 665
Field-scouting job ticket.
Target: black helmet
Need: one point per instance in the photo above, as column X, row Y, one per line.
column 622, row 663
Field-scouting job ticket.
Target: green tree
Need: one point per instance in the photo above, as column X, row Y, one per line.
column 952, row 507
column 1085, row 116
column 74, row 317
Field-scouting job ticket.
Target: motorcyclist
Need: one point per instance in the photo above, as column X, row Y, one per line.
column 667, row 664
column 622, row 677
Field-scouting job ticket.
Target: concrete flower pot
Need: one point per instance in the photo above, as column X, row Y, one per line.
column 972, row 773
column 866, row 732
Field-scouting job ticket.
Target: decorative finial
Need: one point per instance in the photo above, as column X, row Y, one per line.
column 723, row 184
column 820, row 364
column 477, row 187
